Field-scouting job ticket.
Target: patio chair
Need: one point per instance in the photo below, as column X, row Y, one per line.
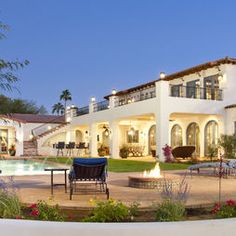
column 89, row 171
column 81, row 147
column 70, row 148
column 183, row 151
column 60, row 146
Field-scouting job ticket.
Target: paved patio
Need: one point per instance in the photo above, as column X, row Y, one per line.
column 204, row 190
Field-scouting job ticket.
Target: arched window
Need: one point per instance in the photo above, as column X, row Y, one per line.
column 211, row 136
column 176, row 136
column 193, row 137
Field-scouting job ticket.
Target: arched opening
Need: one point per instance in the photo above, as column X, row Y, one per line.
column 193, row 137
column 78, row 136
column 105, row 138
column 176, row 136
column 152, row 139
column 211, row 136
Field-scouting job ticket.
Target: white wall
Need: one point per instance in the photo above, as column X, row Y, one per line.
column 187, row 228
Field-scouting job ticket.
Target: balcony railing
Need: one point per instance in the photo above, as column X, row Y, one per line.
column 100, row 106
column 83, row 111
column 207, row 93
column 137, row 98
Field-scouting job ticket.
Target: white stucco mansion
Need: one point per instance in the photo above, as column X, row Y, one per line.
column 190, row 107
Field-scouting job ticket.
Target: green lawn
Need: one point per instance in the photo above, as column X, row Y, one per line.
column 115, row 165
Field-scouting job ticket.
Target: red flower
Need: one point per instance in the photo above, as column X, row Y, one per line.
column 230, row 202
column 216, row 208
column 34, row 213
column 33, row 206
column 19, row 217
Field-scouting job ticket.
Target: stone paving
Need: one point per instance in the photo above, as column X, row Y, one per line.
column 204, row 190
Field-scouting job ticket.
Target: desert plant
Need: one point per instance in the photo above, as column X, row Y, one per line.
column 170, row 211
column 112, row 211
column 102, row 151
column 124, row 152
column 42, row 211
column 10, row 206
column 228, row 144
column 12, row 150
column 212, row 151
column 167, row 153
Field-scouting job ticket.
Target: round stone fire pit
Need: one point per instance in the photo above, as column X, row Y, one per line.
column 151, row 182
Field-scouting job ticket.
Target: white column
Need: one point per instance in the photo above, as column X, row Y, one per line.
column 112, row 101
column 162, row 117
column 202, row 139
column 20, row 140
column 70, row 135
column 93, row 140
column 114, row 139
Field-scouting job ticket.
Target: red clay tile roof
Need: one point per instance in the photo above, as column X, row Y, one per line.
column 34, row 118
column 195, row 69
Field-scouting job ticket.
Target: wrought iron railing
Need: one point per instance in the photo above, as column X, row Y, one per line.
column 197, row 92
column 100, row 106
column 141, row 96
column 83, row 111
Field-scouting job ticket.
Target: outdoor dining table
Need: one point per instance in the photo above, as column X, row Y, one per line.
column 52, row 170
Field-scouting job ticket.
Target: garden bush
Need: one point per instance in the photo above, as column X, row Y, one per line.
column 112, row 211
column 10, row 206
column 170, row 211
column 45, row 212
column 225, row 210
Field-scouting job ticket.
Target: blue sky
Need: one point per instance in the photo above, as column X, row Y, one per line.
column 91, row 47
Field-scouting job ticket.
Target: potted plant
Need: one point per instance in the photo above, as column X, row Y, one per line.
column 124, row 152
column 12, row 150
column 102, row 151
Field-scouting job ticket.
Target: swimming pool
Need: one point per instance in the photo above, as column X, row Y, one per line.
column 24, row 167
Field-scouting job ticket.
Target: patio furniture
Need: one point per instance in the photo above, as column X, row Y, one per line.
column 81, row 147
column 60, row 146
column 183, row 151
column 52, row 170
column 70, row 149
column 228, row 167
column 86, row 171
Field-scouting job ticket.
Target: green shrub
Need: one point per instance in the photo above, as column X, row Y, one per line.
column 42, row 211
column 124, row 152
column 228, row 143
column 112, row 211
column 226, row 210
column 10, row 206
column 170, row 211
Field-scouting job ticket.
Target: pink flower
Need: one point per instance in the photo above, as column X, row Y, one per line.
column 230, row 202
column 216, row 208
column 34, row 213
column 33, row 206
column 19, row 217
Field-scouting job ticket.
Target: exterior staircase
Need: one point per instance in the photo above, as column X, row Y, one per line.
column 30, row 148
column 50, row 131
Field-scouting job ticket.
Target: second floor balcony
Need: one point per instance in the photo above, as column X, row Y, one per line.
column 207, row 93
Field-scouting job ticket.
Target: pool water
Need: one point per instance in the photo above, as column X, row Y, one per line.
column 24, row 167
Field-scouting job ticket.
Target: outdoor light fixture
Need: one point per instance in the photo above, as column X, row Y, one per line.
column 113, row 92
column 49, row 127
column 162, row 75
column 93, row 99
column 31, row 136
column 68, row 119
column 220, row 77
column 106, row 131
column 131, row 131
column 198, row 83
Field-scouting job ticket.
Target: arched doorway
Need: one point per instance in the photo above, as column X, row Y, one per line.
column 193, row 137
column 78, row 136
column 211, row 136
column 152, row 139
column 176, row 136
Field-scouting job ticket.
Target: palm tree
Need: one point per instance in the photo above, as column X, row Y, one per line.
column 58, row 108
column 65, row 96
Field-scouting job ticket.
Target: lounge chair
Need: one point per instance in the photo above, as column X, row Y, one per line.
column 228, row 167
column 183, row 151
column 87, row 171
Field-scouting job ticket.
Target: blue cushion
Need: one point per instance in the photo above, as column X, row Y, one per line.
column 90, row 161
